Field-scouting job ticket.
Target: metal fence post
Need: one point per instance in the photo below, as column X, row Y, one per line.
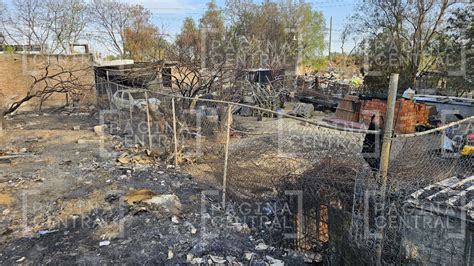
column 224, row 181
column 107, row 90
column 130, row 107
column 385, row 153
column 175, row 137
column 150, row 144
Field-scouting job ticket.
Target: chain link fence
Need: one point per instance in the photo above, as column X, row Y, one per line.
column 420, row 159
column 345, row 214
column 254, row 154
column 262, row 146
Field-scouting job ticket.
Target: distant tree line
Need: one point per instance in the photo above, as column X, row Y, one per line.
column 124, row 30
column 414, row 38
column 252, row 32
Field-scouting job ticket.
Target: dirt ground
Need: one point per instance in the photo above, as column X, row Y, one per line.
column 62, row 200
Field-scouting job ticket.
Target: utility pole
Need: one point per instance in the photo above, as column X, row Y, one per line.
column 385, row 157
column 330, row 37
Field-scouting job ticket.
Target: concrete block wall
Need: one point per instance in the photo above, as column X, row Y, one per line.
column 16, row 71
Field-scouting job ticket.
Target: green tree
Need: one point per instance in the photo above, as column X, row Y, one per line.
column 459, row 60
column 274, row 33
column 312, row 28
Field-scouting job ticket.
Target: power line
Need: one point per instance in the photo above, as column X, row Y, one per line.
column 175, row 14
column 175, row 8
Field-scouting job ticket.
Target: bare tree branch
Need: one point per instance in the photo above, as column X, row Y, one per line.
column 70, row 81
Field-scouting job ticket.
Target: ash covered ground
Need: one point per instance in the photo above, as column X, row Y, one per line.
column 65, row 197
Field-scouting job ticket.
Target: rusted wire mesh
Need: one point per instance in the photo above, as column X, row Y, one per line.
column 264, row 152
column 335, row 214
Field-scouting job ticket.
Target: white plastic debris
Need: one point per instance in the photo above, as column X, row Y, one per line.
column 197, row 261
column 104, row 243
column 274, row 261
column 217, row 259
column 249, row 255
column 408, row 94
column 261, row 246
column 189, row 258
column 175, row 219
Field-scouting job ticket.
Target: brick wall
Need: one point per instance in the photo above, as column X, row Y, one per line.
column 407, row 113
column 16, row 71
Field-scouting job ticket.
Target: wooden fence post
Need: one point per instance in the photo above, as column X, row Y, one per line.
column 150, row 143
column 224, row 181
column 388, row 130
column 175, row 137
column 385, row 156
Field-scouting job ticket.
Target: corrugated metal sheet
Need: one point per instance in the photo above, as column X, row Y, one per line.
column 453, row 196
